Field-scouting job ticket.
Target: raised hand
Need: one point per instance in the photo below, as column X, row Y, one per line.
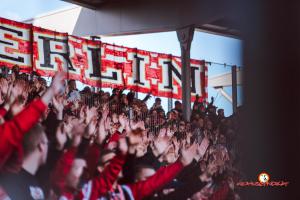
column 77, row 132
column 2, row 99
column 18, row 88
column 188, row 154
column 135, row 136
column 139, row 124
column 161, row 144
column 107, row 123
column 123, row 120
column 105, row 111
column 201, row 149
column 91, row 114
column 56, row 87
column 162, row 132
column 82, row 112
column 61, row 137
column 176, row 145
column 59, row 106
column 169, row 132
column 58, row 103
column 68, row 125
column 128, row 126
column 101, row 133
column 25, row 92
column 76, row 104
column 3, row 86
column 91, row 129
column 141, row 150
column 123, row 146
column 17, row 107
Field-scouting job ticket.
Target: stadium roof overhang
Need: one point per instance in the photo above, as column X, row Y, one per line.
column 123, row 17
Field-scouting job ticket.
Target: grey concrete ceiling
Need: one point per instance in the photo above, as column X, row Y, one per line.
column 206, row 15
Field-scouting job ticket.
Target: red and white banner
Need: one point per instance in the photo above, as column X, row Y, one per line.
column 95, row 63
column 15, row 44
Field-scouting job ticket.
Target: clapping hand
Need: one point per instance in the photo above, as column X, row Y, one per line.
column 58, row 103
column 105, row 111
column 18, row 88
column 188, row 154
column 169, row 132
column 123, row 120
column 3, row 86
column 135, row 136
column 139, row 124
column 162, row 132
column 161, row 144
column 2, row 99
column 77, row 133
column 101, row 133
column 91, row 114
column 61, row 137
column 202, row 148
column 56, row 87
column 123, row 146
column 91, row 129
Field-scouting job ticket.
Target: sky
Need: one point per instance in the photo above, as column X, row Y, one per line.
column 204, row 46
column 25, row 9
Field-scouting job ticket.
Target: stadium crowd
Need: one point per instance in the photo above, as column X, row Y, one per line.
column 57, row 142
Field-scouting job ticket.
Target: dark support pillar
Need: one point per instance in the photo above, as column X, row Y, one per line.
column 185, row 37
column 234, row 88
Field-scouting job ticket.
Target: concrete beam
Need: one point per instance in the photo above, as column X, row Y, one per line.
column 134, row 17
column 225, row 80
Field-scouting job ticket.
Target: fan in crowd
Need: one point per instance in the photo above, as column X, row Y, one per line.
column 59, row 143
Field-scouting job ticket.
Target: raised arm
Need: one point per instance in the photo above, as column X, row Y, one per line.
column 12, row 132
column 103, row 183
column 163, row 175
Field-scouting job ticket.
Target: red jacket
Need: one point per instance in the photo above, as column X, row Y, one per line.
column 115, row 137
column 91, row 159
column 164, row 175
column 96, row 187
column 12, row 131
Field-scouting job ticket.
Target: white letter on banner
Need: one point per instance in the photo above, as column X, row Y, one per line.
column 138, row 70
column 170, row 71
column 196, row 70
column 10, row 37
column 52, row 50
column 112, row 75
column 92, row 73
column 76, row 55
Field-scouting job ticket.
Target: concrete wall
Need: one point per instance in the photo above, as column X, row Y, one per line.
column 60, row 20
